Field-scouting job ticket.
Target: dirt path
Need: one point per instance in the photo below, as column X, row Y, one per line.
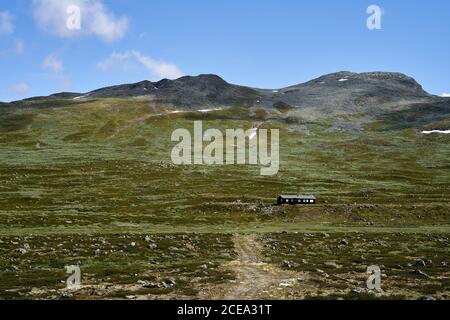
column 255, row 279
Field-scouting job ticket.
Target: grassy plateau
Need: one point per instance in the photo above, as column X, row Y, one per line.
column 92, row 183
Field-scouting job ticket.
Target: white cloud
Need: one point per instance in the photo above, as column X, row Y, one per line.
column 20, row 88
column 446, row 95
column 64, row 83
column 125, row 60
column 6, row 23
column 19, row 46
column 53, row 63
column 96, row 19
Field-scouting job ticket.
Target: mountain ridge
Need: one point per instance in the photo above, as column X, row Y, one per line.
column 372, row 94
column 219, row 83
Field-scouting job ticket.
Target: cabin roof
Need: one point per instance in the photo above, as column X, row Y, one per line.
column 309, row 197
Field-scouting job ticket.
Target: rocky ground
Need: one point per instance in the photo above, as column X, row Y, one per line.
column 224, row 266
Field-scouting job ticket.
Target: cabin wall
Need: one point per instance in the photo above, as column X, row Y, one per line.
column 294, row 201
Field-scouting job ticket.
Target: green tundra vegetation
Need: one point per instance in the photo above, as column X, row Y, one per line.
column 92, row 183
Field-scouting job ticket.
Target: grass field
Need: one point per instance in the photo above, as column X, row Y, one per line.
column 79, row 183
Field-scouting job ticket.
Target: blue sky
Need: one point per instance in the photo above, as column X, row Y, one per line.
column 260, row 43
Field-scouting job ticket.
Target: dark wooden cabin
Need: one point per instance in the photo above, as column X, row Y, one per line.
column 295, row 199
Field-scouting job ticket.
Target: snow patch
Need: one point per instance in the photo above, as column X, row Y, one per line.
column 436, row 131
column 209, row 110
column 82, row 97
column 183, row 111
column 343, row 80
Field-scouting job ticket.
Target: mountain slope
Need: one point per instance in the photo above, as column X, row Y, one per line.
column 185, row 92
column 374, row 95
column 350, row 92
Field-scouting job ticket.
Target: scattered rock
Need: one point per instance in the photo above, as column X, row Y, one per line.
column 286, row 285
column 151, row 285
column 168, row 283
column 427, row 298
column 95, row 292
column 14, row 268
column 332, row 264
column 421, row 273
column 344, row 242
column 320, row 271
column 323, row 273
column 65, row 295
column 324, row 235
column 420, row 263
column 148, row 284
column 288, row 264
column 358, row 290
